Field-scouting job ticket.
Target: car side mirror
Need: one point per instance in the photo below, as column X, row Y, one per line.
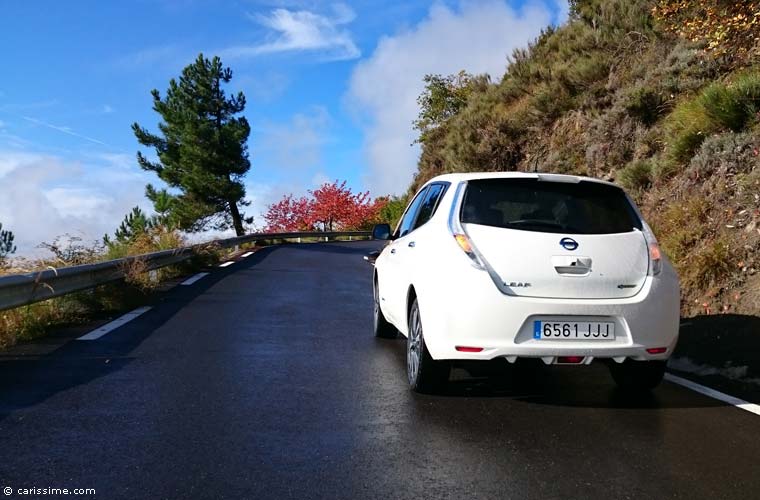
column 381, row 232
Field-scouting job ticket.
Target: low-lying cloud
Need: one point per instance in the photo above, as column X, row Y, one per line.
column 475, row 37
column 47, row 196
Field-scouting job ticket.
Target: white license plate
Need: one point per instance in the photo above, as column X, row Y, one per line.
column 573, row 330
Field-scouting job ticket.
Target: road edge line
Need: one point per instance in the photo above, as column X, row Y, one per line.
column 113, row 325
column 193, row 279
column 733, row 401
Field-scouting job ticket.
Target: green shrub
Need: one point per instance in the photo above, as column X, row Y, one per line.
column 735, row 105
column 709, row 264
column 687, row 127
column 644, row 104
column 636, row 175
column 720, row 106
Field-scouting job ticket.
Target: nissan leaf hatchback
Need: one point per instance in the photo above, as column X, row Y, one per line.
column 519, row 265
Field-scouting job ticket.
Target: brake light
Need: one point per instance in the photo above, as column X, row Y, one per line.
column 570, row 360
column 462, row 348
column 657, row 350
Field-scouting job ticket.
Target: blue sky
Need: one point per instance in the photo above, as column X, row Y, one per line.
column 331, row 91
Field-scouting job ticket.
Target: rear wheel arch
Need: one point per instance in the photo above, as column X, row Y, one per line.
column 411, row 294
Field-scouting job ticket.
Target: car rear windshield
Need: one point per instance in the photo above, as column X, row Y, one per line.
column 550, row 207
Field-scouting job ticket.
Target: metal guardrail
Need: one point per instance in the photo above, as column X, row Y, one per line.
column 22, row 289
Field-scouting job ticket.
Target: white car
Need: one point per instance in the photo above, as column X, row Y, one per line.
column 523, row 265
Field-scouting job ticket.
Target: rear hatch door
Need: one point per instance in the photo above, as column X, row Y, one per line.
column 550, row 239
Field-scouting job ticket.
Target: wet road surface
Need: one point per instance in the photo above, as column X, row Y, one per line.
column 263, row 380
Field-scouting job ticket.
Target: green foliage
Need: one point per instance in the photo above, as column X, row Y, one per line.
column 202, row 149
column 135, row 224
column 392, row 210
column 720, row 106
column 443, row 97
column 636, row 175
column 164, row 205
column 732, row 106
column 645, row 104
column 7, row 246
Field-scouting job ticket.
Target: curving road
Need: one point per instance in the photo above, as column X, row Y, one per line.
column 263, row 380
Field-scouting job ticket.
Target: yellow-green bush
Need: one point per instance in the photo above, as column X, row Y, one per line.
column 636, row 175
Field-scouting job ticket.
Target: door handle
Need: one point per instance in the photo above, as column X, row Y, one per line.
column 393, row 250
column 411, row 244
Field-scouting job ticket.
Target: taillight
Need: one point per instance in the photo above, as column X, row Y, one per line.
column 464, row 243
column 655, row 254
column 655, row 258
column 459, row 234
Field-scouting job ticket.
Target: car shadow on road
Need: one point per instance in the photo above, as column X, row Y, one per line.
column 530, row 381
column 721, row 351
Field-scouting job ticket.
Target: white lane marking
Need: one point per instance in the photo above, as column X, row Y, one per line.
column 227, row 263
column 113, row 325
column 193, row 279
column 247, row 254
column 739, row 403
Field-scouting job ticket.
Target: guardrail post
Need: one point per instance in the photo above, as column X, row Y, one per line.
column 350, row 238
column 299, row 239
column 326, row 238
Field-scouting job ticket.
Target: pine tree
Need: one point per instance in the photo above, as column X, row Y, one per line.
column 202, row 149
column 6, row 243
column 163, row 204
column 134, row 224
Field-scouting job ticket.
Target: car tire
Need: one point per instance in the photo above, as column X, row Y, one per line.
column 425, row 374
column 638, row 375
column 382, row 327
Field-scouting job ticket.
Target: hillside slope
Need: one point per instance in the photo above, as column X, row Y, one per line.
column 659, row 96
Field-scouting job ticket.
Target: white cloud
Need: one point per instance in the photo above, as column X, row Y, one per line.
column 48, row 196
column 108, row 109
column 303, row 30
column 475, row 37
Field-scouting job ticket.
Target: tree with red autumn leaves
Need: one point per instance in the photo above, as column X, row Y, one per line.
column 332, row 207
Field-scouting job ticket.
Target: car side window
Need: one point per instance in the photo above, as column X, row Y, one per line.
column 429, row 204
column 411, row 213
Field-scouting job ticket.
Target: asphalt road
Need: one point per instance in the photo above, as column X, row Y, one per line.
column 263, row 380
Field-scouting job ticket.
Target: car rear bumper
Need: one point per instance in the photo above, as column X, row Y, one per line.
column 475, row 314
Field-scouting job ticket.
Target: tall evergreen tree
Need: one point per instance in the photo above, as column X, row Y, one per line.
column 7, row 246
column 201, row 150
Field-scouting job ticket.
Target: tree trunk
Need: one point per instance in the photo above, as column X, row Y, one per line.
column 237, row 221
